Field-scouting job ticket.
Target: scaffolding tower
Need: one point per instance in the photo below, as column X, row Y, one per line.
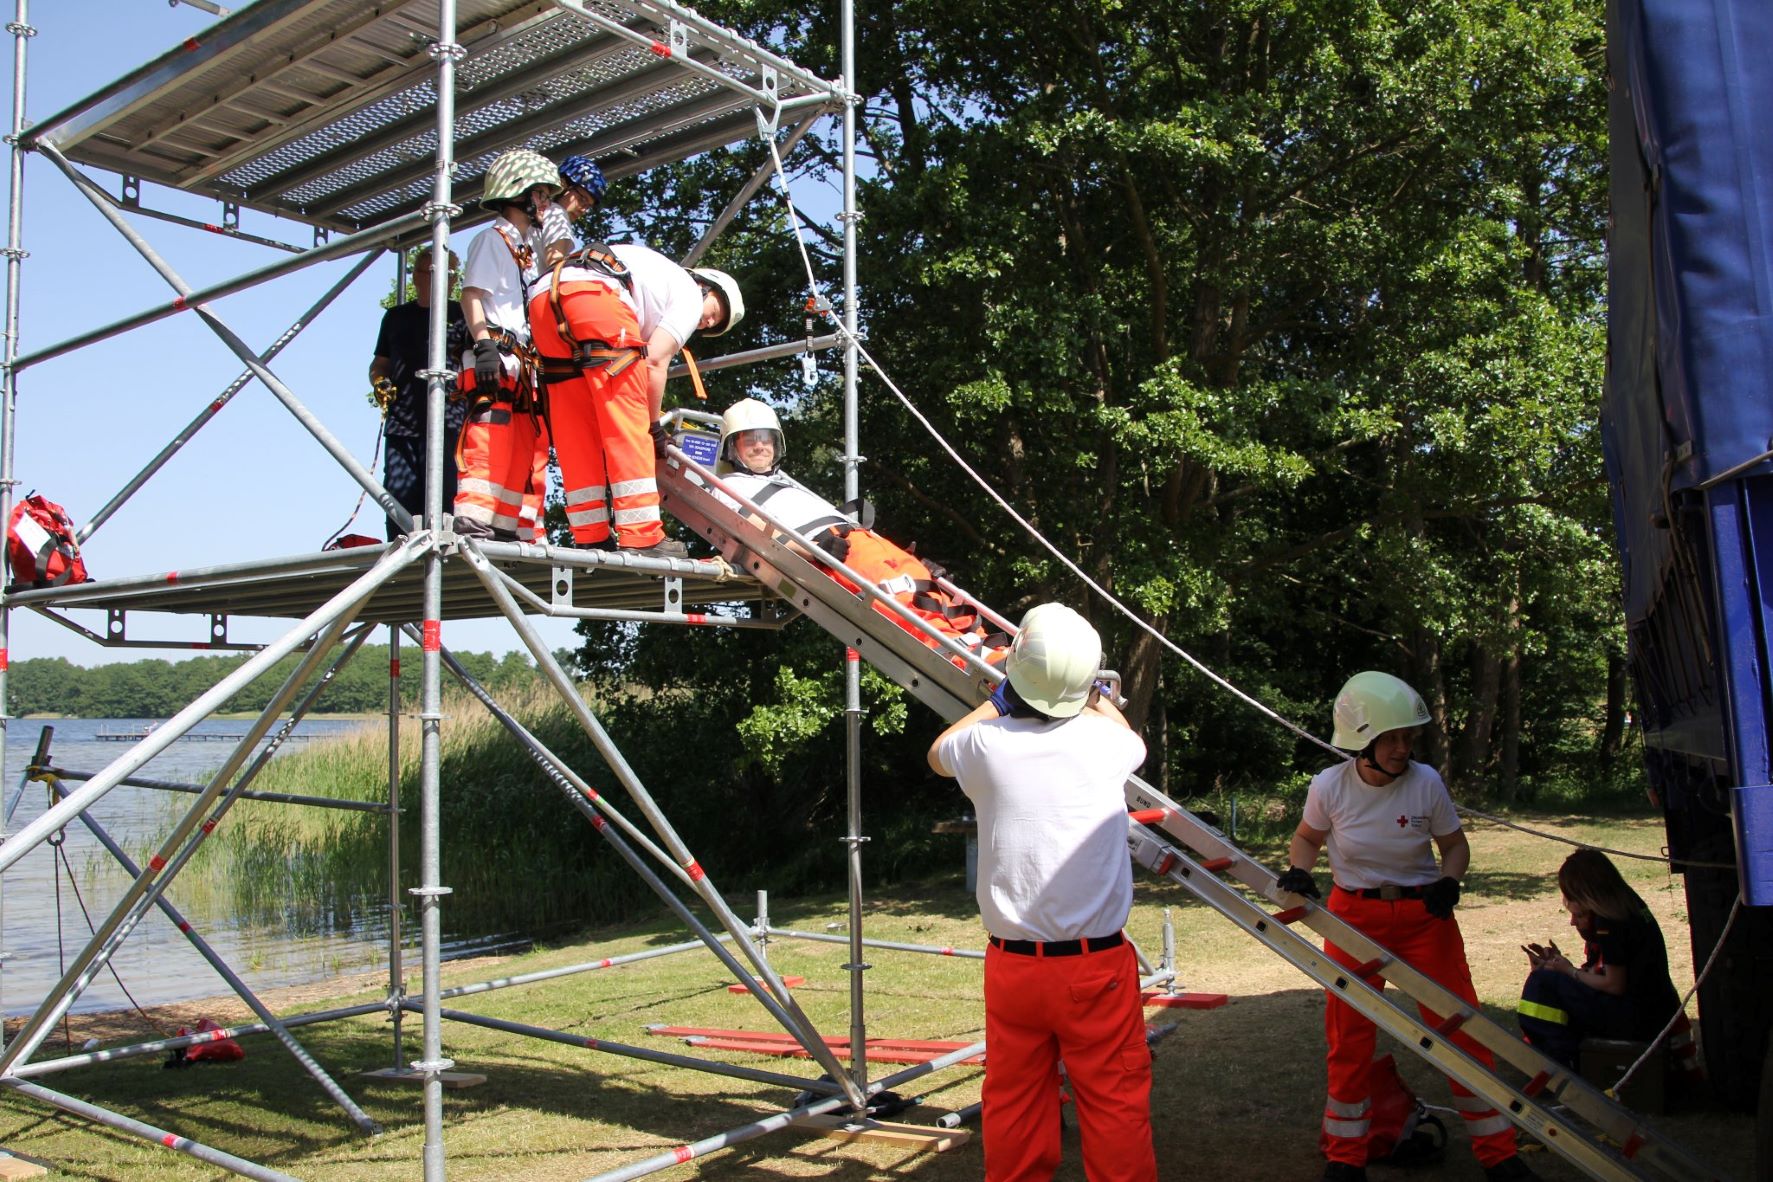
column 370, row 124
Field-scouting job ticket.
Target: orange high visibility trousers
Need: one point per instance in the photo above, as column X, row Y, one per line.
column 1085, row 1011
column 1436, row 948
column 599, row 422
column 501, row 459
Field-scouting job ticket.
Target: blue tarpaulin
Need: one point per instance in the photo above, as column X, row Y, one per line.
column 1687, row 422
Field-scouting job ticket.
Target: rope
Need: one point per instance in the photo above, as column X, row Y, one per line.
column 1028, row 527
column 823, row 305
column 1680, row 1010
column 1584, row 845
column 381, row 430
column 109, row 964
column 61, row 953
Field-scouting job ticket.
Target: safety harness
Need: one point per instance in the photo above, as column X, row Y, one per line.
column 592, row 354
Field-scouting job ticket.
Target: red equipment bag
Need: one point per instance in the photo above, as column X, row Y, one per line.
column 40, row 545
column 218, row 1048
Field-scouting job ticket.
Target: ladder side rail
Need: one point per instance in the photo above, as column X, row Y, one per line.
column 928, row 674
column 706, row 482
column 1429, row 1043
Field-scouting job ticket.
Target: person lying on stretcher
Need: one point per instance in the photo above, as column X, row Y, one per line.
column 752, row 448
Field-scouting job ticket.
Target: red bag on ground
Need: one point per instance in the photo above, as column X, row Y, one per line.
column 40, row 545
column 217, row 1049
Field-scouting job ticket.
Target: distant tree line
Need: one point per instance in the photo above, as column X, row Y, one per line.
column 158, row 688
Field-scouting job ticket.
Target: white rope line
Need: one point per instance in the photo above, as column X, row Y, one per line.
column 1584, row 845
column 1027, row 526
column 1681, row 1010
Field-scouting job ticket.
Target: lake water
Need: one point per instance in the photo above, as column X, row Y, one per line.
column 157, row 964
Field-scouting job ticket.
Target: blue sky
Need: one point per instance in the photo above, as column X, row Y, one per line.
column 253, row 483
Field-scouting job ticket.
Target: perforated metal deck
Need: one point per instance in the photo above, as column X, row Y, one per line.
column 325, row 110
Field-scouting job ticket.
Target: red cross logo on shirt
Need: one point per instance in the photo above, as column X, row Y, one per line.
column 1403, row 822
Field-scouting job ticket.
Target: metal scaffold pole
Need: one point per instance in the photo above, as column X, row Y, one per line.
column 15, row 256
column 852, row 676
column 447, row 52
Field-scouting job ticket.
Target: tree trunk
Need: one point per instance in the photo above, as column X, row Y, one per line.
column 1511, row 726
column 1140, row 678
column 1429, row 682
column 1486, row 679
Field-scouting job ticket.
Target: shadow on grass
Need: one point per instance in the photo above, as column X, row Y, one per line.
column 1511, row 885
column 1237, row 1096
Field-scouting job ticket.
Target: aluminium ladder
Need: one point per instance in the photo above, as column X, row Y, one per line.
column 1607, row 1142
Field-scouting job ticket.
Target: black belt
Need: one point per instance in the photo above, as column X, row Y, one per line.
column 1059, row 947
column 1390, row 892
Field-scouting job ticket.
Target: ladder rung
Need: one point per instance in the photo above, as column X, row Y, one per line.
column 1632, row 1144
column 1452, row 1022
column 1370, row 967
column 1536, row 1084
column 1215, row 865
column 1289, row 915
column 1149, row 816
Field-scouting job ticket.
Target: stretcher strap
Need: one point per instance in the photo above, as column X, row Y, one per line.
column 695, row 373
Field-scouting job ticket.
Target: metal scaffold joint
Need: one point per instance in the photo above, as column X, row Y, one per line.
column 855, row 839
column 433, row 1066
column 430, row 892
column 18, row 29
column 13, row 252
column 452, row 50
column 436, row 211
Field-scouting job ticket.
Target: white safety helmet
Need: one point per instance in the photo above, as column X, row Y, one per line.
column 513, row 174
column 1053, row 660
column 728, row 289
column 747, row 414
column 1372, row 703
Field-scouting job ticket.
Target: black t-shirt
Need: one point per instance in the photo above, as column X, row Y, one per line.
column 1635, row 945
column 405, row 341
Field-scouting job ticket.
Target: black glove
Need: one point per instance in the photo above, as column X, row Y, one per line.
column 661, row 439
column 1441, row 897
column 488, row 366
column 1298, row 882
column 836, row 542
column 1004, row 697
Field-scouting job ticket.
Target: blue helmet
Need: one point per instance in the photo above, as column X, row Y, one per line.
column 583, row 172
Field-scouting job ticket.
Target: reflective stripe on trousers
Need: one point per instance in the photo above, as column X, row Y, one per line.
column 1435, row 948
column 502, row 458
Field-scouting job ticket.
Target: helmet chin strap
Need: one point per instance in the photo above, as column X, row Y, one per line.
column 1367, row 757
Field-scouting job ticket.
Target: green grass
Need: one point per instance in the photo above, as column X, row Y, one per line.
column 1237, row 1092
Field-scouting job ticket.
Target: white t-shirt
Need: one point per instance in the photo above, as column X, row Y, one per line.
column 783, row 498
column 1381, row 835
column 491, row 268
column 664, row 295
column 1051, row 802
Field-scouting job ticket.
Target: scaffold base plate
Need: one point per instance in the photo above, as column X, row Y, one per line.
column 450, row 1079
column 915, row 1137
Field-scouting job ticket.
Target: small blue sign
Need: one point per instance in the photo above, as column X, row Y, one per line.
column 699, row 446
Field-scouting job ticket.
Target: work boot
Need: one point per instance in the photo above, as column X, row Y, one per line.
column 669, row 548
column 468, row 527
column 1510, row 1169
column 1341, row 1171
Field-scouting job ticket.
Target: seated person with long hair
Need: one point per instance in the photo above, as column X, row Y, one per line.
column 1622, row 988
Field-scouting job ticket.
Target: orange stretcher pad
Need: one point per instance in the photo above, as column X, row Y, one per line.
column 769, row 1042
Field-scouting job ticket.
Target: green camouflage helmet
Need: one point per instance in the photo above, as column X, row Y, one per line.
column 514, row 174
